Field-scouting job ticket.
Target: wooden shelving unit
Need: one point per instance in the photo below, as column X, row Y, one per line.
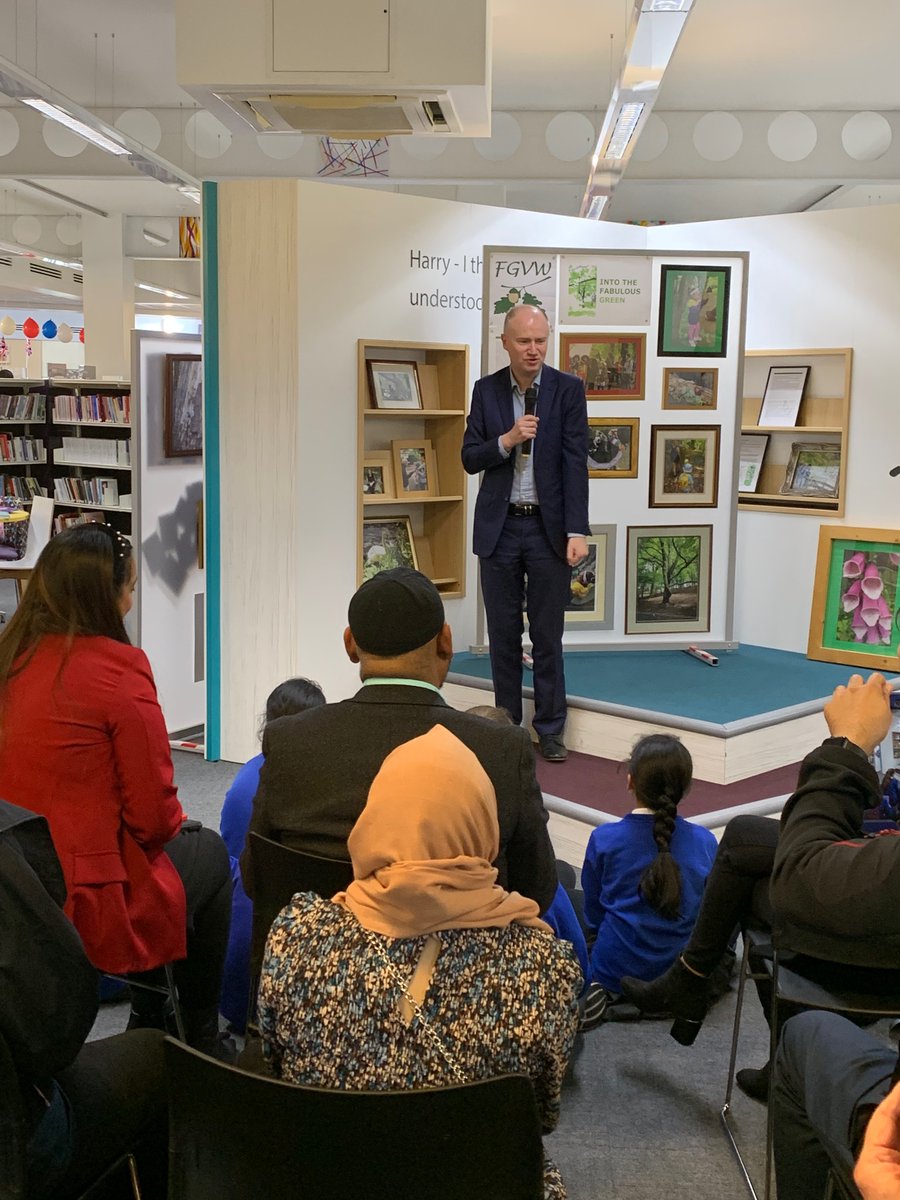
column 824, row 417
column 438, row 522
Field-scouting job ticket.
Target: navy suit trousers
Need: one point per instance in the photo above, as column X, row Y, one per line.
column 524, row 564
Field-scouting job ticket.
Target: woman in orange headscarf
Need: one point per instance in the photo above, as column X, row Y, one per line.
column 492, row 990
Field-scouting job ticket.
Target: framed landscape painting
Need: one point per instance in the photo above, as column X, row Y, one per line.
column 693, row 314
column 684, row 466
column 394, row 384
column 592, row 586
column 667, row 579
column 611, row 365
column 855, row 617
column 613, row 447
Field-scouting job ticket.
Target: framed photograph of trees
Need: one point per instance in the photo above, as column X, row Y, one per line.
column 668, row 573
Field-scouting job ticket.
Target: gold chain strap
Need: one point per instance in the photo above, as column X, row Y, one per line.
column 392, row 971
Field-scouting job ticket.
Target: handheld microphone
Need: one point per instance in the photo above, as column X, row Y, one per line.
column 530, row 405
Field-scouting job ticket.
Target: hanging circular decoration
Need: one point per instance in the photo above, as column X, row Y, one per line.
column 30, row 327
column 7, row 326
column 81, row 335
column 48, row 329
column 64, row 333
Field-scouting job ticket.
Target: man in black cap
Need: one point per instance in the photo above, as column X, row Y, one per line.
column 319, row 764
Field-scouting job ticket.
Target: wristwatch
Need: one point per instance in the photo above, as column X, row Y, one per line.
column 845, row 744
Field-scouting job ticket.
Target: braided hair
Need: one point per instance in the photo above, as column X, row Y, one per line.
column 661, row 769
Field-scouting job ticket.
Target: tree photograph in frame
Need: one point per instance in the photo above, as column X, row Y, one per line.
column 690, row 387
column 378, row 475
column 693, row 316
column 684, row 466
column 394, row 384
column 183, row 406
column 387, row 543
column 612, row 451
column 668, row 577
column 855, row 617
column 611, row 365
column 592, row 586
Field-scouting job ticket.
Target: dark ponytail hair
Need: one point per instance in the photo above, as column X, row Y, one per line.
column 661, row 770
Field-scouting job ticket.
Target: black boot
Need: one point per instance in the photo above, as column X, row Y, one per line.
column 678, row 991
column 754, row 1082
column 201, row 1030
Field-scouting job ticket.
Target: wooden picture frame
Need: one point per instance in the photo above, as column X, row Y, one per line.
column 378, row 476
column 387, row 542
column 693, row 311
column 593, row 583
column 690, row 388
column 612, row 451
column 668, row 579
column 394, row 384
column 183, row 406
column 814, row 469
column 855, row 613
column 611, row 365
column 684, row 466
column 415, row 468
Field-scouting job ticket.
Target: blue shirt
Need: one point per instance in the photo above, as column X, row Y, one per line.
column 523, row 487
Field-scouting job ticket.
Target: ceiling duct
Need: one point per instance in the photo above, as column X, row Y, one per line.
column 349, row 68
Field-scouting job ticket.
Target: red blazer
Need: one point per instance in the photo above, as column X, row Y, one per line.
column 84, row 743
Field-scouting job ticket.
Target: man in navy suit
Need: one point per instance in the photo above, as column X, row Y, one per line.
column 531, row 518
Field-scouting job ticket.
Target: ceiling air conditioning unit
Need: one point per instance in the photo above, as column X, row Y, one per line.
column 345, row 68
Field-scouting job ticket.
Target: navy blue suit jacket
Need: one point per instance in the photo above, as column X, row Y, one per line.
column 559, row 450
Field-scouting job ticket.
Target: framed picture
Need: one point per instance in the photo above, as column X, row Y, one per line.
column 753, row 448
column 613, row 447
column 592, row 587
column 183, row 406
column 785, row 389
column 611, row 365
column 687, row 387
column 684, row 466
column 855, row 617
column 667, row 579
column 814, row 469
column 415, row 469
column 394, row 384
column 387, row 543
column 378, row 475
column 693, row 313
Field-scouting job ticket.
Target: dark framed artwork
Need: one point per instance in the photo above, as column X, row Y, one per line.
column 693, row 311
column 611, row 365
column 394, row 384
column 388, row 542
column 183, row 406
column 684, row 466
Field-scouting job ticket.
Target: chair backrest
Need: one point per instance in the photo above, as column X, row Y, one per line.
column 13, row 1137
column 233, row 1135
column 278, row 873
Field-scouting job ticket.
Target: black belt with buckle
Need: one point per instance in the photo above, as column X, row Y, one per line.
column 524, row 510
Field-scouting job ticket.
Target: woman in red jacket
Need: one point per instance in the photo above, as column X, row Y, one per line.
column 83, row 742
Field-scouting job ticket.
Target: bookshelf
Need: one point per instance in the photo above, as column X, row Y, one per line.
column 438, row 519
column 823, row 418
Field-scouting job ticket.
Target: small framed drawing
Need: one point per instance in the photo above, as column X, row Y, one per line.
column 814, row 469
column 378, row 475
column 612, row 451
column 592, row 586
column 855, row 616
column 183, row 406
column 785, row 389
column 394, row 384
column 687, row 387
column 387, row 543
column 415, row 469
column 684, row 466
column 611, row 365
column 667, row 578
column 752, row 452
column 693, row 312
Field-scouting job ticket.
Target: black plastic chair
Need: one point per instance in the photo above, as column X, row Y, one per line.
column 234, row 1135
column 790, row 987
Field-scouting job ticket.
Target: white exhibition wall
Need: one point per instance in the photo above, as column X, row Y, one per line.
column 815, row 279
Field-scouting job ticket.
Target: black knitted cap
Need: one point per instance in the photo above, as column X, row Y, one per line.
column 395, row 612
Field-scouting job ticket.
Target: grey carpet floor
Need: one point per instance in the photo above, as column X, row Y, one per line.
column 640, row 1114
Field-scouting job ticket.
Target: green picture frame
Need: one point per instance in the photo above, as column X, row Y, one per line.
column 693, row 311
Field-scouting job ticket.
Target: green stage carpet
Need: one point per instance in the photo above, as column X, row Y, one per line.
column 747, row 682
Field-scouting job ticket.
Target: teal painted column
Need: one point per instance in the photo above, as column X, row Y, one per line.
column 212, row 508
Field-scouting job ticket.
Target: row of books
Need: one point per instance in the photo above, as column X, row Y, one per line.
column 114, row 452
column 98, row 489
column 22, row 407
column 116, row 410
column 21, row 449
column 23, row 487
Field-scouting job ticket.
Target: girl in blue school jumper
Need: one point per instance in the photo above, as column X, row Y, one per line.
column 643, row 876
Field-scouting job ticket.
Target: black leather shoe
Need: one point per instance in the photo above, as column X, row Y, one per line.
column 754, row 1082
column 552, row 748
column 679, row 992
